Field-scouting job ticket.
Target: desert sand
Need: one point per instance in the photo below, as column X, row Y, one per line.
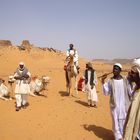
column 56, row 116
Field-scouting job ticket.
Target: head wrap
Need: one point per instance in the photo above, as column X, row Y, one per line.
column 22, row 63
column 89, row 64
column 136, row 63
column 118, row 65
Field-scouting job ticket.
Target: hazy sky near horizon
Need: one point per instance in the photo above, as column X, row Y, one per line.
column 105, row 29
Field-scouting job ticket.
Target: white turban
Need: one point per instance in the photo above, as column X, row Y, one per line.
column 136, row 63
column 22, row 63
column 118, row 64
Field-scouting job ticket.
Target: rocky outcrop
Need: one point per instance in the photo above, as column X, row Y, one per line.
column 5, row 43
column 25, row 45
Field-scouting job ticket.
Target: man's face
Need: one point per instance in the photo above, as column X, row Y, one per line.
column 116, row 70
column 133, row 74
column 21, row 66
column 71, row 46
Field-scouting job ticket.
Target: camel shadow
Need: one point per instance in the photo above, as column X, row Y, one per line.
column 41, row 94
column 82, row 103
column 63, row 93
column 100, row 132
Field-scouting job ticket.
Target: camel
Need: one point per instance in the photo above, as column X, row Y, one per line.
column 37, row 85
column 5, row 91
column 71, row 72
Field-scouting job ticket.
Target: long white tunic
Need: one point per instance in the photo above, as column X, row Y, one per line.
column 73, row 52
column 22, row 86
column 119, row 112
column 92, row 94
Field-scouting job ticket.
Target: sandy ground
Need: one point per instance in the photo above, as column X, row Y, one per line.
column 56, row 116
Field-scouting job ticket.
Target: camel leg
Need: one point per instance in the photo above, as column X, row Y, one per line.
column 69, row 90
column 11, row 91
column 32, row 94
column 3, row 98
column 76, row 85
column 68, row 83
column 69, row 86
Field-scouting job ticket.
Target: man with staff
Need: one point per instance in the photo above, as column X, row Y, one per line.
column 119, row 89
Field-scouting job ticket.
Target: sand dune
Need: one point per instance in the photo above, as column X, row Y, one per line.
column 57, row 116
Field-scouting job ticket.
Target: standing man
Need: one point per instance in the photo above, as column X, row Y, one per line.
column 132, row 124
column 22, row 88
column 90, row 82
column 118, row 88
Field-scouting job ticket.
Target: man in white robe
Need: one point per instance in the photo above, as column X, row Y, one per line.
column 22, row 88
column 132, row 124
column 118, row 88
column 90, row 83
column 72, row 51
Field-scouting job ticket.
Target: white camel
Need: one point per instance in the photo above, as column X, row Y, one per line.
column 5, row 91
column 37, row 85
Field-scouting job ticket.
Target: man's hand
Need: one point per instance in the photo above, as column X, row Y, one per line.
column 103, row 78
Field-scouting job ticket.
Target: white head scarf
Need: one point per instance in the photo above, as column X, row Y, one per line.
column 22, row 63
column 118, row 64
column 136, row 63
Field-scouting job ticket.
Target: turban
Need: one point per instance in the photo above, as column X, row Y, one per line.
column 136, row 63
column 89, row 64
column 21, row 63
column 118, row 65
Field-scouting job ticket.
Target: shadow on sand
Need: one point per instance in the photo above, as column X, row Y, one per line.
column 41, row 95
column 63, row 93
column 82, row 103
column 100, row 132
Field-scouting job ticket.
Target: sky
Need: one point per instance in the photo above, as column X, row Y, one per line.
column 99, row 29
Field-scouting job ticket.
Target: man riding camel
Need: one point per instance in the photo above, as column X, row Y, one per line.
column 72, row 51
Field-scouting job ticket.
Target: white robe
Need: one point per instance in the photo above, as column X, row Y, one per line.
column 132, row 126
column 119, row 112
column 22, row 86
column 22, row 90
column 75, row 55
column 91, row 93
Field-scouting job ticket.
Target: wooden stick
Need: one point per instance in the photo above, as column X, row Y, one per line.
column 106, row 74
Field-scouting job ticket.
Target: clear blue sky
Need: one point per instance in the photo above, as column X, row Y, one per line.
column 98, row 28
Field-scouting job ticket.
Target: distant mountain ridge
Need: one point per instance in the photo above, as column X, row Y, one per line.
column 122, row 61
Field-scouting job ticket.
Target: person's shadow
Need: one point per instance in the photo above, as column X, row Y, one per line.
column 100, row 132
column 63, row 93
column 82, row 103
